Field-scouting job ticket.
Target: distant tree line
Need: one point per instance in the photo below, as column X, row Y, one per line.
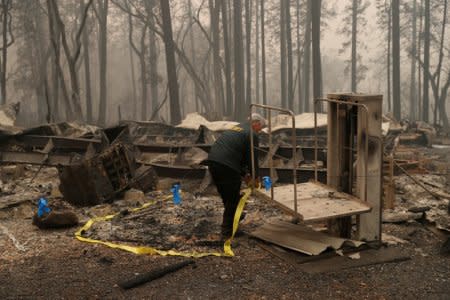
column 101, row 60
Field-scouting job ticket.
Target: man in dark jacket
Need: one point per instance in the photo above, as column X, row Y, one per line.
column 229, row 160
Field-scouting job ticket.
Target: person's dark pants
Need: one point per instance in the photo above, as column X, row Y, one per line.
column 228, row 183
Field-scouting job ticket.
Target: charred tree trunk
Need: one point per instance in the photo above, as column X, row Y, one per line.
column 283, row 72
column 412, row 83
column 354, row 41
column 299, row 60
column 396, row 58
column 226, row 46
column 315, row 34
column 257, row 94
column 240, row 108
column 388, row 57
column 153, row 61
column 389, row 53
column 7, row 41
column 263, row 55
column 141, row 53
column 55, row 39
column 248, row 41
column 439, row 67
column 426, row 62
column 218, row 84
column 443, row 104
column 193, row 58
column 72, row 56
column 102, row 16
column 307, row 55
column 40, row 54
column 419, row 54
column 175, row 115
column 87, row 69
column 133, row 79
column 290, row 76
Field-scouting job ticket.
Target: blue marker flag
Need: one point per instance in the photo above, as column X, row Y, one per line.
column 176, row 194
column 42, row 207
column 267, row 182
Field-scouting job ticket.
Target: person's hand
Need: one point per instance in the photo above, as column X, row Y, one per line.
column 257, row 183
column 248, row 179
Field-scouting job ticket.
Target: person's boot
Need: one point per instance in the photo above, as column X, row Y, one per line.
column 242, row 217
column 226, row 232
column 227, row 225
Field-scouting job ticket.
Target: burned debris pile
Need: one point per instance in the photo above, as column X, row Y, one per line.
column 91, row 168
column 191, row 226
column 103, row 177
column 416, row 174
column 96, row 167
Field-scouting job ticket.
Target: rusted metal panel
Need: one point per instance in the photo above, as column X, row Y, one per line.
column 284, row 174
column 103, row 177
column 85, row 184
column 145, row 179
column 36, row 158
column 283, row 151
column 63, row 144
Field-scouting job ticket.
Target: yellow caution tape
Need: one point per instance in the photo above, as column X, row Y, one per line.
column 154, row 251
column 237, row 216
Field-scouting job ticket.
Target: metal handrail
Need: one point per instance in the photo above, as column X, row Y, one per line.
column 294, row 146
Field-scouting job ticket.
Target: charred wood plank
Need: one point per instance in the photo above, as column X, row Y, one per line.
column 154, row 274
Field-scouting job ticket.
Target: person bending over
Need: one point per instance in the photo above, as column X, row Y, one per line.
column 229, row 160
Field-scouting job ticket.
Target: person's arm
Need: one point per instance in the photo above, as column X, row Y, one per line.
column 248, row 155
column 256, row 152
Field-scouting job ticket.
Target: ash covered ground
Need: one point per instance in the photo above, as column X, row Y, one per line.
column 42, row 264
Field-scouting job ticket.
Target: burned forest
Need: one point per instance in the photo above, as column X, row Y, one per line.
column 244, row 149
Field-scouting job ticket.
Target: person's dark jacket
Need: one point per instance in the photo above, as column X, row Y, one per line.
column 232, row 149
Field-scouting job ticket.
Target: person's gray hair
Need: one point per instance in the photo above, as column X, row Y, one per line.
column 258, row 117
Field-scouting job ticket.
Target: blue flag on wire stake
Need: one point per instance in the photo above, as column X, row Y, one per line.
column 43, row 207
column 176, row 193
column 267, row 182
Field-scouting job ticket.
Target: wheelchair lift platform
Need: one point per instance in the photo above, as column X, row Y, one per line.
column 315, row 201
column 354, row 165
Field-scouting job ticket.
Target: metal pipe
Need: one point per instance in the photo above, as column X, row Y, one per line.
column 338, row 150
column 252, row 152
column 269, row 116
column 294, row 160
column 294, row 145
column 315, row 141
column 350, row 151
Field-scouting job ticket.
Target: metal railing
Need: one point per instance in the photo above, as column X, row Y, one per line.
column 269, row 109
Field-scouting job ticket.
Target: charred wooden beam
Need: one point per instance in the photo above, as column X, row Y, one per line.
column 63, row 144
column 154, row 274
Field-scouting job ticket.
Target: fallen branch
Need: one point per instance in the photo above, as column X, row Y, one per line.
column 154, row 274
